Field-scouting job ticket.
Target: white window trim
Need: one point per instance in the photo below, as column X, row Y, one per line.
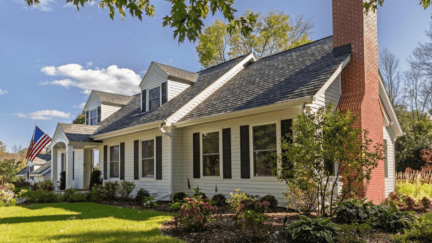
column 140, row 159
column 109, row 163
column 202, row 176
column 278, row 149
column 97, row 115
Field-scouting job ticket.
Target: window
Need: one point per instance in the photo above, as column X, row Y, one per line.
column 32, row 178
column 211, row 158
column 93, row 117
column 385, row 159
column 154, row 98
column 164, row 93
column 264, row 150
column 114, row 161
column 147, row 159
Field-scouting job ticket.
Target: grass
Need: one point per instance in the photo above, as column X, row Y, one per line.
column 80, row 222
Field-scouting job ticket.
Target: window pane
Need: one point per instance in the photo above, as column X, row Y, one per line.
column 93, row 114
column 148, row 149
column 94, row 121
column 154, row 104
column 210, row 143
column 264, row 137
column 114, row 153
column 265, row 163
column 154, row 93
column 114, row 169
column 148, row 168
column 211, row 165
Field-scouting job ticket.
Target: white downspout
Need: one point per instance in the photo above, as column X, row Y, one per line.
column 303, row 107
column 161, row 127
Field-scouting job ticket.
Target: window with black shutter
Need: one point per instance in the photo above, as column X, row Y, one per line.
column 196, row 155
column 122, row 161
column 99, row 114
column 164, row 93
column 226, row 153
column 136, row 160
column 159, row 158
column 87, row 121
column 144, row 100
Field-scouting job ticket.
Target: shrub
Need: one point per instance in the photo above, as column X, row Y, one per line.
column 67, row 193
column 77, row 197
column 353, row 233
column 236, row 198
column 94, row 194
column 393, row 196
column 41, row 195
column 21, row 182
column 251, row 218
column 12, row 202
column 95, row 178
column 63, row 180
column 390, row 219
column 272, row 200
column 426, row 203
column 6, row 193
column 141, row 195
column 218, row 200
column 149, row 202
column 194, row 213
column 125, row 189
column 46, row 185
column 421, row 233
column 307, row 230
column 353, row 210
column 198, row 193
column 179, row 196
column 109, row 191
column 410, row 202
column 175, row 206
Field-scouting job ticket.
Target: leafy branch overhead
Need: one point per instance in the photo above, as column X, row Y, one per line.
column 187, row 20
column 373, row 4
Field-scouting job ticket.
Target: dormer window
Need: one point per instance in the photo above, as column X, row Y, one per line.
column 93, row 117
column 164, row 93
column 154, row 98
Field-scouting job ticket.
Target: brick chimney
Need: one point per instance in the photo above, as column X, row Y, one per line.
column 360, row 90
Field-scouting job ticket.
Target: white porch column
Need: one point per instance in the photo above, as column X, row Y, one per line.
column 79, row 169
column 69, row 159
column 54, row 166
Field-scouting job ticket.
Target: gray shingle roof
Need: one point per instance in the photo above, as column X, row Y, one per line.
column 130, row 115
column 112, row 98
column 43, row 169
column 78, row 132
column 291, row 74
column 23, row 171
column 178, row 73
column 42, row 159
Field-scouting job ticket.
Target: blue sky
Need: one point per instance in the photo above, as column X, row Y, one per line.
column 52, row 55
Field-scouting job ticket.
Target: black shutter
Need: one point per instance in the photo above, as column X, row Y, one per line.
column 122, row 161
column 28, row 172
column 244, row 152
column 164, row 93
column 62, row 162
column 136, row 159
column 144, row 100
column 159, row 158
column 87, row 118
column 99, row 114
column 226, row 148
column 105, row 162
column 196, row 155
column 73, row 165
column 286, row 133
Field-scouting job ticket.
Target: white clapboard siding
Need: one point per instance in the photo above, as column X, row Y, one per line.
column 108, row 110
column 152, row 185
column 175, row 88
column 154, row 77
column 331, row 95
column 390, row 136
column 93, row 102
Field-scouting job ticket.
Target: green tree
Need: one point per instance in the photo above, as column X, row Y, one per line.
column 273, row 32
column 373, row 4
column 80, row 118
column 186, row 19
column 321, row 140
column 8, row 169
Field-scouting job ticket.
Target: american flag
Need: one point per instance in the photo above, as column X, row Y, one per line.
column 39, row 141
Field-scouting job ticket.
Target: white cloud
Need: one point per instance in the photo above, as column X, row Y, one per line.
column 3, row 92
column 89, row 64
column 112, row 79
column 44, row 115
column 80, row 106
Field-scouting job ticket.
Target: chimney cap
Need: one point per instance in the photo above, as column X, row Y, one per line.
column 342, row 50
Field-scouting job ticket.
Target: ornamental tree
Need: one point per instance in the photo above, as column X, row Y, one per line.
column 327, row 146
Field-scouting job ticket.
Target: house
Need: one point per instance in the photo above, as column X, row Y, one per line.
column 37, row 170
column 214, row 128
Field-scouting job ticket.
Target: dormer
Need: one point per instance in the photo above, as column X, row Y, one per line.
column 100, row 105
column 162, row 83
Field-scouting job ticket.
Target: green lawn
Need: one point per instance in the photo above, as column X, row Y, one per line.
column 80, row 222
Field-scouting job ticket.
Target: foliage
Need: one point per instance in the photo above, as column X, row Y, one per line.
column 80, row 119
column 94, row 195
column 109, row 190
column 46, row 185
column 125, row 189
column 187, row 20
column 422, row 232
column 179, row 196
column 302, row 197
column 62, row 180
column 410, row 202
column 8, row 169
column 274, row 31
column 95, row 178
column 76, row 196
column 251, row 216
column 149, row 202
column 194, row 213
column 319, row 139
column 218, row 200
column 426, row 203
column 307, row 229
column 353, row 233
column 414, row 189
column 372, row 5
column 39, row 196
column 272, row 200
column 81, row 222
column 141, row 195
column 236, row 199
column 390, row 219
column 198, row 193
column 175, row 206
column 354, row 210
column 7, row 194
column 21, row 182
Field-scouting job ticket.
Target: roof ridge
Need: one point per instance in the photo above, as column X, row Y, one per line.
column 225, row 62
column 158, row 63
column 94, row 90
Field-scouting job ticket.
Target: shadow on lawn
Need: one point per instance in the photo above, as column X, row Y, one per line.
column 82, row 211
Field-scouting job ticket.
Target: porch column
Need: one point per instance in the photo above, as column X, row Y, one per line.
column 69, row 159
column 54, row 166
column 78, row 182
